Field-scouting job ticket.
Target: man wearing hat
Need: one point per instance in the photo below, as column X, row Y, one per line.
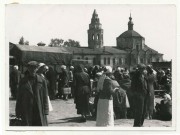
column 32, row 99
column 140, row 92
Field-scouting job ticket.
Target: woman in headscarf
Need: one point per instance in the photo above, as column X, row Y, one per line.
column 105, row 114
column 82, row 92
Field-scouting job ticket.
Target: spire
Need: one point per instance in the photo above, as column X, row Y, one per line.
column 94, row 12
column 130, row 23
column 95, row 18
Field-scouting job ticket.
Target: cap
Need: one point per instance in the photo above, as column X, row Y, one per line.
column 41, row 64
column 141, row 66
column 167, row 96
column 71, row 67
column 33, row 63
column 108, row 69
column 63, row 67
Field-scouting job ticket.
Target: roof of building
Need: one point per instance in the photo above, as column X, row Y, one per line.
column 130, row 33
column 112, row 50
column 150, row 49
column 42, row 48
column 48, row 55
column 85, row 50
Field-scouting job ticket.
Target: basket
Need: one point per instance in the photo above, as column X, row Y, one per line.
column 67, row 90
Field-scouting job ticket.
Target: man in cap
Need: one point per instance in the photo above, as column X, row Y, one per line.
column 32, row 99
column 140, row 92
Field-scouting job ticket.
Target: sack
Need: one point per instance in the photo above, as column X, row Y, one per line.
column 16, row 122
column 67, row 90
column 50, row 105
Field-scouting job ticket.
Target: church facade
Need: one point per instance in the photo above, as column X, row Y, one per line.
column 129, row 51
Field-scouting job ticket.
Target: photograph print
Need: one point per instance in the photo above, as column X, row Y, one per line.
column 90, row 65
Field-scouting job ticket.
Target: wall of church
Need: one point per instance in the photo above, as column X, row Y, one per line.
column 130, row 42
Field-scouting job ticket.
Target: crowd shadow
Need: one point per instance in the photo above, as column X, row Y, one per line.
column 72, row 120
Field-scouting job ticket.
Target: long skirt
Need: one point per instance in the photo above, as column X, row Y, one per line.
column 105, row 114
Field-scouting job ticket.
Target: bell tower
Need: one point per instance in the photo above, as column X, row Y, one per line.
column 95, row 32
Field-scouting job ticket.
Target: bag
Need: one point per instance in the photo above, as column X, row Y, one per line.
column 16, row 122
column 67, row 90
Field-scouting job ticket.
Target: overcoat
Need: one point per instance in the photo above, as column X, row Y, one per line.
column 28, row 95
column 82, row 92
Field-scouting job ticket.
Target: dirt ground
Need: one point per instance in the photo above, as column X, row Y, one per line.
column 64, row 114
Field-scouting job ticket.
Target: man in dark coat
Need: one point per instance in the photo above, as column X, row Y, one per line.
column 32, row 99
column 51, row 76
column 15, row 77
column 82, row 92
column 140, row 92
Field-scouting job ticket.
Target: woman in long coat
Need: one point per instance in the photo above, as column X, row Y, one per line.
column 151, row 79
column 105, row 114
column 82, row 92
column 32, row 99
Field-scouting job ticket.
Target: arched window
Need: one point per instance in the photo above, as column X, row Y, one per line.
column 98, row 36
column 93, row 36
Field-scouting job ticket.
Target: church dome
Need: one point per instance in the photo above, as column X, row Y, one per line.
column 130, row 33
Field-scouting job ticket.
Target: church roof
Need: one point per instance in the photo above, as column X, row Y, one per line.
column 130, row 33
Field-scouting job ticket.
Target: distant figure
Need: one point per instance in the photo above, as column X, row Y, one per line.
column 164, row 109
column 51, row 76
column 82, row 92
column 63, row 81
column 15, row 77
column 140, row 93
column 32, row 99
column 151, row 79
column 71, row 76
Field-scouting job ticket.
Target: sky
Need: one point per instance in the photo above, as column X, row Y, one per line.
column 36, row 23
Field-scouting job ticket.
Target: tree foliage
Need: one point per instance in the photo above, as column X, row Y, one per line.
column 60, row 42
column 71, row 43
column 23, row 42
column 56, row 42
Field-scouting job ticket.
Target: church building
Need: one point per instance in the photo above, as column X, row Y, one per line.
column 129, row 51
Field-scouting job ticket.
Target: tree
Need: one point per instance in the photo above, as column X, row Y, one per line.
column 21, row 41
column 26, row 43
column 56, row 42
column 41, row 44
column 71, row 43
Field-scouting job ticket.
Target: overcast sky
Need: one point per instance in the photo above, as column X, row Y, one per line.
column 157, row 23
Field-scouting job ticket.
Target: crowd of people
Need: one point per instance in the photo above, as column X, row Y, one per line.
column 117, row 93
